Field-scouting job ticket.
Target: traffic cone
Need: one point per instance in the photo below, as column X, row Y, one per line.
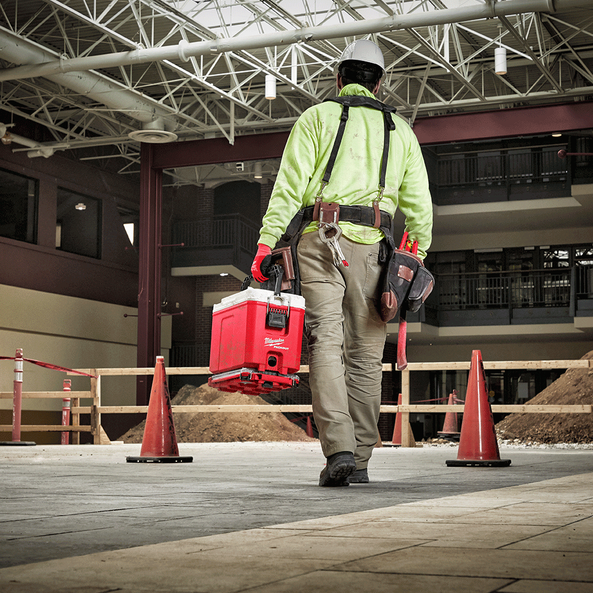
column 396, row 440
column 397, row 427
column 159, row 443
column 477, row 444
column 451, row 425
column 309, row 430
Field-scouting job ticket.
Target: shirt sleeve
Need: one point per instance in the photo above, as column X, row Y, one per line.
column 296, row 170
column 414, row 198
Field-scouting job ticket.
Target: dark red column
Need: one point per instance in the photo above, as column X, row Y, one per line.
column 149, row 280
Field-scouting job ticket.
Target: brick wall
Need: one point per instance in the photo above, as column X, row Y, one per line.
column 204, row 284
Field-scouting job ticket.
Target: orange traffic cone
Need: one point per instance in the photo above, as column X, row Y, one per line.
column 477, row 444
column 396, row 440
column 159, row 443
column 309, row 430
column 397, row 427
column 451, row 425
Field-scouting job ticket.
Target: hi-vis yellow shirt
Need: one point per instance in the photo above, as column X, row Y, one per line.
column 355, row 176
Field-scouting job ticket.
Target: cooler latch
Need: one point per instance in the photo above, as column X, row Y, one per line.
column 275, row 317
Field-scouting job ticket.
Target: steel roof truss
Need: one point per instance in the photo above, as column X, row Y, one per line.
column 545, row 72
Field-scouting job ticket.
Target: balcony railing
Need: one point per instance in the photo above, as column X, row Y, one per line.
column 584, row 282
column 533, row 166
column 515, row 290
column 220, row 231
column 221, row 240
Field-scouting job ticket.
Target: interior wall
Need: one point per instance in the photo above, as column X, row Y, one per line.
column 111, row 278
column 70, row 332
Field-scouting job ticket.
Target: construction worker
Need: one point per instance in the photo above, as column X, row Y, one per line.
column 342, row 284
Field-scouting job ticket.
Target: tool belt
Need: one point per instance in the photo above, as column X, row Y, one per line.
column 405, row 279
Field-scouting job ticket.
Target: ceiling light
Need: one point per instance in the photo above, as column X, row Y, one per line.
column 153, row 136
column 257, row 172
column 556, row 135
column 270, row 87
column 153, row 132
column 500, row 60
column 80, row 206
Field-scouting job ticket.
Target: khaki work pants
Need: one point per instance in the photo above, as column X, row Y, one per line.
column 346, row 338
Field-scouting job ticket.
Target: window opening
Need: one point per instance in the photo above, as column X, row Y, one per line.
column 78, row 224
column 18, row 207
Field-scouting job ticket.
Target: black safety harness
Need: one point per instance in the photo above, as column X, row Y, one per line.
column 363, row 215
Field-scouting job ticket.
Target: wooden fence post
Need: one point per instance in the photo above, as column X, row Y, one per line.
column 407, row 436
column 95, row 414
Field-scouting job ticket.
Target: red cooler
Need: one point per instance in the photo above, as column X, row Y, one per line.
column 256, row 341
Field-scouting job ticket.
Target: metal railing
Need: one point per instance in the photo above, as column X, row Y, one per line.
column 535, row 288
column 584, row 282
column 535, row 166
column 219, row 231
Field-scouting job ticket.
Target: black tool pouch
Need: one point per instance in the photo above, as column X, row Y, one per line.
column 406, row 281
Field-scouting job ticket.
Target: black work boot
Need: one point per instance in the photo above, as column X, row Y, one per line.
column 360, row 476
column 339, row 466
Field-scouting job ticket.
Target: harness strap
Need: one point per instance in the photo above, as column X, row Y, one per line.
column 389, row 125
column 338, row 140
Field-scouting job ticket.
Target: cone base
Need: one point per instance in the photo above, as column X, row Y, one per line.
column 17, row 443
column 478, row 462
column 454, row 436
column 166, row 459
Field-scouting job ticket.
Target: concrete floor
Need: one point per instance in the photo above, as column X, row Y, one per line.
column 250, row 517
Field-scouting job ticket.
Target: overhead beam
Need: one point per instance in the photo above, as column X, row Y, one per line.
column 218, row 150
column 460, row 127
column 504, row 123
column 184, row 50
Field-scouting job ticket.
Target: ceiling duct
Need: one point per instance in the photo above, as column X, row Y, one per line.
column 153, row 132
column 18, row 50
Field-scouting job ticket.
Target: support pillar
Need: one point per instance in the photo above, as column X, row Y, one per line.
column 149, row 279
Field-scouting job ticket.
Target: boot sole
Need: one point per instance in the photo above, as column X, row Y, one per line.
column 338, row 475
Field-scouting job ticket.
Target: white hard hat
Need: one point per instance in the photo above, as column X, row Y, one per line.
column 363, row 50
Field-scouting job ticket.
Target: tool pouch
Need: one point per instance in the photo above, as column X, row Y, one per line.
column 406, row 281
column 280, row 262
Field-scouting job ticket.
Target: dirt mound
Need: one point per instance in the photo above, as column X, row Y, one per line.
column 224, row 427
column 574, row 387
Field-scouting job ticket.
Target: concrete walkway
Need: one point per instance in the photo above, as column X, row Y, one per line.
column 250, row 517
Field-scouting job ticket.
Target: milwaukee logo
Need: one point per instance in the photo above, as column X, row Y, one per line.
column 275, row 343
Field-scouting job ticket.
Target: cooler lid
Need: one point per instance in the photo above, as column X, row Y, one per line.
column 262, row 296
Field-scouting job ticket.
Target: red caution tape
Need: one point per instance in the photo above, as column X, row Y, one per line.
column 48, row 365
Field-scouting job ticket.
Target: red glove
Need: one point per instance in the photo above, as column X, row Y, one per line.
column 262, row 251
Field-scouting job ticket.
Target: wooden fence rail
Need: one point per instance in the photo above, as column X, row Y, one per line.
column 96, row 409
column 75, row 427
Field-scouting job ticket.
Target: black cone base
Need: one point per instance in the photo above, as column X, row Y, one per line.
column 166, row 459
column 478, row 462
